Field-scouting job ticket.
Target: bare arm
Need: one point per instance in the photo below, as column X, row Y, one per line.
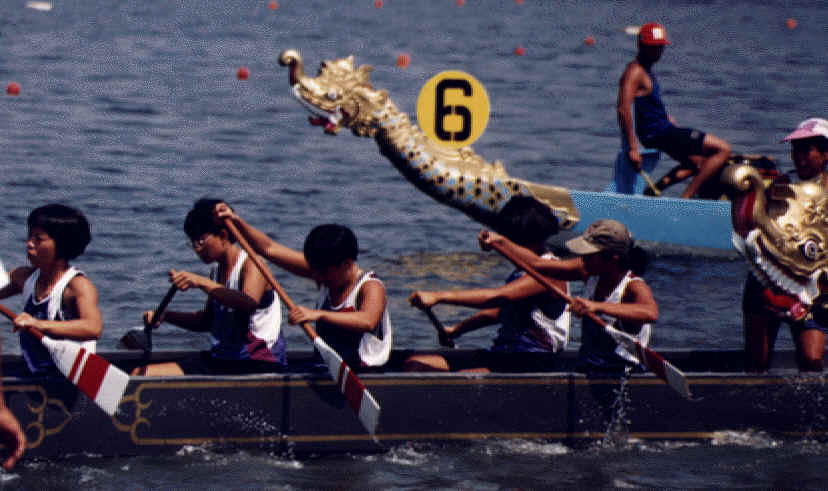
column 637, row 307
column 523, row 287
column 17, row 278
column 280, row 255
column 11, row 435
column 80, row 296
column 483, row 318
column 371, row 305
column 561, row 269
column 627, row 87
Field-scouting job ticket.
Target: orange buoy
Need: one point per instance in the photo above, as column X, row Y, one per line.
column 520, row 51
column 460, row 3
column 273, row 5
column 519, row 2
column 791, row 23
column 403, row 60
column 589, row 41
column 243, row 73
column 378, row 4
column 13, row 88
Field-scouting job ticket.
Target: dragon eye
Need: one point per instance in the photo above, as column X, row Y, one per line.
column 332, row 95
column 810, row 249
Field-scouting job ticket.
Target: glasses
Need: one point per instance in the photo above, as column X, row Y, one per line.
column 199, row 242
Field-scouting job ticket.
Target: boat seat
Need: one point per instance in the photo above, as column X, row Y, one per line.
column 625, row 179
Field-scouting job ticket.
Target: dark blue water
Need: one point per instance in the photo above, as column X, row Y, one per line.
column 131, row 110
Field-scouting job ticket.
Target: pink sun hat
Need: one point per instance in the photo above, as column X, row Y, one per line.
column 808, row 129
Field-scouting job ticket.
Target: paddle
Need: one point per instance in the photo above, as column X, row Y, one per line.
column 649, row 182
column 139, row 338
column 103, row 382
column 358, row 397
column 442, row 336
column 654, row 361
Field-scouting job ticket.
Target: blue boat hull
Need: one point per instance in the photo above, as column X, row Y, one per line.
column 680, row 222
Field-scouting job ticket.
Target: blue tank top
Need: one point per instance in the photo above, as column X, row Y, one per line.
column 240, row 335
column 535, row 324
column 650, row 115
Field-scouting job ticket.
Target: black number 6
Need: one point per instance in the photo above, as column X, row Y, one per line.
column 441, row 110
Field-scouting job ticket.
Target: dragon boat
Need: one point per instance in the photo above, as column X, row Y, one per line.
column 303, row 414
column 341, row 96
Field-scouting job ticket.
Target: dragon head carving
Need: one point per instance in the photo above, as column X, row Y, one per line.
column 782, row 231
column 339, row 96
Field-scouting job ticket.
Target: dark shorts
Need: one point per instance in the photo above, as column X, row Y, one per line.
column 752, row 300
column 678, row 143
column 204, row 363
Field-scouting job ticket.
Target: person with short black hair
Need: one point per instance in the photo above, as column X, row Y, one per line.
column 242, row 312
column 351, row 314
column 531, row 322
column 59, row 300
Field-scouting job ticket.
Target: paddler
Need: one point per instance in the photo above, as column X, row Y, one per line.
column 610, row 264
column 351, row 314
column 699, row 154
column 59, row 300
column 761, row 319
column 242, row 312
column 531, row 322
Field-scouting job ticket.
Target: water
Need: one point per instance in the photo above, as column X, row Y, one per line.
column 131, row 110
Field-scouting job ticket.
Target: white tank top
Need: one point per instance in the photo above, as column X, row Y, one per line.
column 264, row 324
column 373, row 350
column 36, row 356
column 643, row 335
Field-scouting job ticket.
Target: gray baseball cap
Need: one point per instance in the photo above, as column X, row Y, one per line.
column 602, row 235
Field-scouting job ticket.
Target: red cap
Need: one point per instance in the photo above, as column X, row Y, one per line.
column 653, row 34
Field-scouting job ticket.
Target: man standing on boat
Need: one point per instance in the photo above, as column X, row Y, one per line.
column 760, row 317
column 698, row 153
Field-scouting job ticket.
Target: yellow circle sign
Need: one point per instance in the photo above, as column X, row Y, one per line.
column 453, row 109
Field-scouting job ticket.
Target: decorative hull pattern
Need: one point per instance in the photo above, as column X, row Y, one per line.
column 300, row 413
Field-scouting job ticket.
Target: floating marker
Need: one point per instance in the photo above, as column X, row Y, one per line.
column 13, row 88
column 243, row 73
column 403, row 60
column 42, row 6
column 589, row 41
column 520, row 51
column 378, row 4
column 460, row 3
column 273, row 5
column 791, row 23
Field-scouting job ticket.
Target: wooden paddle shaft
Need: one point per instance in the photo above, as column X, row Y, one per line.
column 649, row 182
column 268, row 275
column 543, row 280
column 11, row 315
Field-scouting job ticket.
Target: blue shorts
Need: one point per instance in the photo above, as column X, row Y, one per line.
column 678, row 143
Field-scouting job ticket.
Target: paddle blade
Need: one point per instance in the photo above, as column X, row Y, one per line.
column 94, row 376
column 135, row 339
column 654, row 362
column 358, row 397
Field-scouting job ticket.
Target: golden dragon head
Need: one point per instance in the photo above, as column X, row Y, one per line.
column 339, row 96
column 782, row 231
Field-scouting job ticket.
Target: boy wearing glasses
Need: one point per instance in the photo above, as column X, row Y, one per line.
column 242, row 312
column 351, row 314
